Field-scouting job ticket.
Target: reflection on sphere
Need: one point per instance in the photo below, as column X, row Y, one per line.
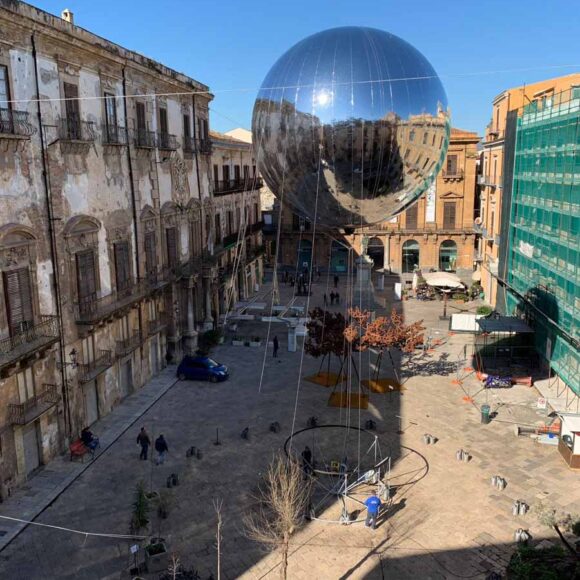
column 357, row 115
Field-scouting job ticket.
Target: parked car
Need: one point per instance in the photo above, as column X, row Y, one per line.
column 201, row 368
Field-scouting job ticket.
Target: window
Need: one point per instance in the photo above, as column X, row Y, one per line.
column 254, row 171
column 25, row 381
column 256, row 220
column 295, row 222
column 238, row 218
column 237, row 174
column 141, row 119
column 216, row 174
column 6, row 122
column 410, row 256
column 86, row 278
column 150, row 254
column 73, row 115
column 226, row 174
column 196, row 238
column 448, row 256
column 186, row 128
column 411, row 217
column 451, row 165
column 122, row 266
column 575, row 93
column 171, row 241
column 163, row 125
column 230, row 222
column 111, row 130
column 218, row 228
column 412, row 135
column 449, row 215
column 18, row 298
column 246, row 173
column 425, row 137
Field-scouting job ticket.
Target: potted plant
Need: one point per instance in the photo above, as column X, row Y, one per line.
column 156, row 555
column 141, row 507
column 255, row 341
column 238, row 341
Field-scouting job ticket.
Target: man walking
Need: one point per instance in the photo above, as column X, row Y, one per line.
column 337, row 297
column 307, row 462
column 144, row 441
column 161, row 448
column 276, row 346
column 373, row 504
column 332, row 298
column 325, row 300
column 336, row 281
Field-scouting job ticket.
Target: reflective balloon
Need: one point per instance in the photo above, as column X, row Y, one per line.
column 350, row 127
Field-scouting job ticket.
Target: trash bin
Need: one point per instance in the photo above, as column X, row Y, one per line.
column 485, row 410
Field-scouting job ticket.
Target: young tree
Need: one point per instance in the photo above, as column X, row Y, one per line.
column 281, row 503
column 560, row 521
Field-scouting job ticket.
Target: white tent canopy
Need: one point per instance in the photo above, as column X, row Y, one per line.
column 442, row 280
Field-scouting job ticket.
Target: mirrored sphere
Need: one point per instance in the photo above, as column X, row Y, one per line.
column 350, row 127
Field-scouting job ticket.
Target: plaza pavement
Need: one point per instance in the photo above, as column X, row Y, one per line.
column 446, row 523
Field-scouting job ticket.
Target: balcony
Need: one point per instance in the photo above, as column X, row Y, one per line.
column 456, row 175
column 114, row 135
column 188, row 145
column 493, row 134
column 157, row 324
column 204, row 146
column 230, row 240
column 128, row 345
column 31, row 409
column 256, row 227
column 167, row 142
column 15, row 124
column 92, row 310
column 91, row 370
column 73, row 130
column 143, row 139
column 29, row 340
column 496, row 239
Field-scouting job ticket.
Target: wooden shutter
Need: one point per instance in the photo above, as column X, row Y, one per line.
column 186, row 127
column 449, row 215
column 86, row 276
column 452, row 165
column 411, row 217
column 150, row 253
column 171, row 239
column 18, row 294
column 226, row 171
column 73, row 117
column 216, row 174
column 163, row 126
column 141, row 123
column 122, row 265
column 237, row 174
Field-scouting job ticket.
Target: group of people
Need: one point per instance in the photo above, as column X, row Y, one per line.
column 160, row 446
column 334, row 298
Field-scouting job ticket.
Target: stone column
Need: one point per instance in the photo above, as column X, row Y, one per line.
column 292, row 337
column 190, row 334
column 364, row 267
column 381, row 281
column 208, row 319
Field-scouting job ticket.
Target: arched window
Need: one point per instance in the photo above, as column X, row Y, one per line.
column 376, row 251
column 448, row 256
column 410, row 257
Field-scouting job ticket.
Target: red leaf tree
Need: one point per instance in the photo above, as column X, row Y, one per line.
column 326, row 335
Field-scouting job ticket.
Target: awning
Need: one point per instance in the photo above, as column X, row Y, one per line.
column 443, row 280
column 503, row 324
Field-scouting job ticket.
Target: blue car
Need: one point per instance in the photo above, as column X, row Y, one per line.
column 201, row 368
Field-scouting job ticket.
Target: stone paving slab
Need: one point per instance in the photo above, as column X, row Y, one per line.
column 29, row 500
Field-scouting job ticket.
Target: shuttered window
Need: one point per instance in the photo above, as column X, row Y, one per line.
column 171, row 240
column 451, row 164
column 18, row 293
column 141, row 123
column 73, row 116
column 150, row 253
column 449, row 215
column 163, row 125
column 411, row 217
column 86, row 277
column 122, row 265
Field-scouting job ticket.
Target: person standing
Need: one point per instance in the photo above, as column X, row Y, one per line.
column 161, row 448
column 373, row 504
column 337, row 297
column 307, row 462
column 144, row 441
column 325, row 299
column 276, row 346
column 336, row 281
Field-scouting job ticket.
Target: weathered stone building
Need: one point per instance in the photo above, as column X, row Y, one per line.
column 435, row 233
column 106, row 226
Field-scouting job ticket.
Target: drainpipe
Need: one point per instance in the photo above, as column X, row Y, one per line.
column 53, row 246
column 134, row 206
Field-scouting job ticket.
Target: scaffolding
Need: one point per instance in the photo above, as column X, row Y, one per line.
column 542, row 269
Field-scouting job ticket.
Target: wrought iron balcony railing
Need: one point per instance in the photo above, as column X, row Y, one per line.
column 230, row 240
column 114, row 135
column 457, row 174
column 26, row 412
column 91, row 370
column 15, row 123
column 493, row 134
column 128, row 345
column 204, row 146
column 74, row 129
column 31, row 338
column 167, row 142
column 144, row 139
column 188, row 144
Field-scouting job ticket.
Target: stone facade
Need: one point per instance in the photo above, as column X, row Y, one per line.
column 435, row 233
column 106, row 221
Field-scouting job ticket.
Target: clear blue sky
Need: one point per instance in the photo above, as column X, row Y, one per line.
column 231, row 44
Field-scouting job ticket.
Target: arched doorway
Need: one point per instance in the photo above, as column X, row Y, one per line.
column 410, row 256
column 448, row 256
column 304, row 255
column 376, row 251
column 338, row 257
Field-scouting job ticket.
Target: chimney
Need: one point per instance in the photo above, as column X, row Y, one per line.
column 68, row 16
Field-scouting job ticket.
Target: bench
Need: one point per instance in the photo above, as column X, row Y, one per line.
column 78, row 449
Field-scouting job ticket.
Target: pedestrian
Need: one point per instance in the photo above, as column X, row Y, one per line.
column 318, row 272
column 373, row 504
column 332, row 295
column 144, row 441
column 161, row 448
column 276, row 346
column 307, row 462
column 336, row 281
column 292, row 282
column 325, row 299
column 337, row 297
column 285, row 276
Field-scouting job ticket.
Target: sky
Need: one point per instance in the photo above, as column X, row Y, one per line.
column 477, row 48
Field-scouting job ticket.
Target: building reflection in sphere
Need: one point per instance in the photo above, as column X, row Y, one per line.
column 350, row 127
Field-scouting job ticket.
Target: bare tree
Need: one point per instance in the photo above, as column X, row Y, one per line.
column 217, row 506
column 560, row 521
column 281, row 503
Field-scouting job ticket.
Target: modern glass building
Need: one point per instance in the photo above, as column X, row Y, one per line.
column 542, row 268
